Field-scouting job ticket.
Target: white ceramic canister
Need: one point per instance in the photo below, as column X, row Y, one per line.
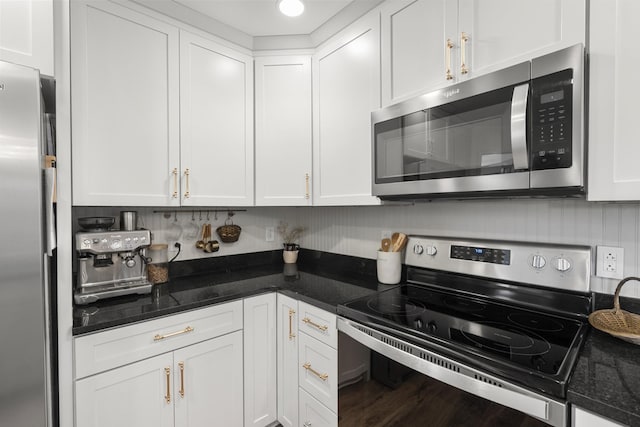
column 389, row 266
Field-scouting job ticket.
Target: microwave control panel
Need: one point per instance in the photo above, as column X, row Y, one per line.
column 551, row 121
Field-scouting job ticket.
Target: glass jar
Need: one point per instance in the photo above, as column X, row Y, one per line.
column 158, row 265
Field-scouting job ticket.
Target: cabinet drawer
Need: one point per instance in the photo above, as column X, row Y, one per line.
column 116, row 347
column 318, row 323
column 314, row 413
column 318, row 370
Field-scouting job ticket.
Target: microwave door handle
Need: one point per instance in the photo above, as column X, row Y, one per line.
column 519, row 127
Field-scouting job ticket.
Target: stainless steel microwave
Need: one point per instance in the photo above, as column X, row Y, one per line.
column 517, row 131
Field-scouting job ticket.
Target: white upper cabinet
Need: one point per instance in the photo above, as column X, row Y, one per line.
column 283, row 130
column 430, row 44
column 417, row 46
column 346, row 89
column 216, row 124
column 26, row 33
column 613, row 124
column 125, row 129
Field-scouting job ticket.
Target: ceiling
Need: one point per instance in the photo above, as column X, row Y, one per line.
column 259, row 18
column 258, row 25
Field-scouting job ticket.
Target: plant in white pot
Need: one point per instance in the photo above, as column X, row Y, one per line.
column 289, row 239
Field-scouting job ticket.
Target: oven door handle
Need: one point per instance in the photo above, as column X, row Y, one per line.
column 448, row 372
column 519, row 102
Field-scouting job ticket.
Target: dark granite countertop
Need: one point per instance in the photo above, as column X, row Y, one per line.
column 606, row 378
column 325, row 281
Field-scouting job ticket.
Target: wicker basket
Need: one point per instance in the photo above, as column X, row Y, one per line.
column 617, row 322
column 229, row 232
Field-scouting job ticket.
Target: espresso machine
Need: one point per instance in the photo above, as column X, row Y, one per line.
column 110, row 262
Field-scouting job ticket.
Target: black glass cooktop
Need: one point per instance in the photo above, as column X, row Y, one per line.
column 515, row 339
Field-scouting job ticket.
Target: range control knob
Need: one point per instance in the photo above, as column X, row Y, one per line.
column 431, row 250
column 418, row 249
column 432, row 327
column 562, row 264
column 538, row 262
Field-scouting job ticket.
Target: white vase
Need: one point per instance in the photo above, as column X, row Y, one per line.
column 290, row 257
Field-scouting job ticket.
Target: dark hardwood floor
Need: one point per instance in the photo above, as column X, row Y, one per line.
column 422, row 402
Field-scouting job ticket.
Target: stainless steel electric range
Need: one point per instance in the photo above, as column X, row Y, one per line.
column 502, row 320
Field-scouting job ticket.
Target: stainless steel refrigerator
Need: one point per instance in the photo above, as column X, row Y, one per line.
column 25, row 322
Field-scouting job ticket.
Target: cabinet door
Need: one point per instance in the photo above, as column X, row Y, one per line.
column 208, row 383
column 125, row 106
column 314, row 413
column 525, row 29
column 346, row 89
column 318, row 371
column 414, row 46
column 140, row 394
column 613, row 130
column 260, row 407
column 283, row 131
column 26, row 33
column 287, row 361
column 216, row 124
column 582, row 418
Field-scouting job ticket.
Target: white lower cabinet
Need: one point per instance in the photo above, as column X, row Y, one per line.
column 260, row 405
column 181, row 370
column 287, row 338
column 582, row 418
column 314, row 413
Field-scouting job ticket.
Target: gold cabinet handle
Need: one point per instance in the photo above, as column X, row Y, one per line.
column 447, row 59
column 159, row 337
column 464, row 38
column 306, row 186
column 175, row 183
column 308, row 321
column 306, row 424
column 167, row 374
column 291, row 334
column 187, row 193
column 181, row 366
column 308, row 367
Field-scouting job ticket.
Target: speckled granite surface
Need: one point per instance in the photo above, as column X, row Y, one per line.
column 324, row 280
column 606, row 378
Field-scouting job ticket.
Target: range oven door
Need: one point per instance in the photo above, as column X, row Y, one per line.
column 471, row 137
column 458, row 375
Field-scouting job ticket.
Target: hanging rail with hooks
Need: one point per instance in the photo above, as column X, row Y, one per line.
column 169, row 212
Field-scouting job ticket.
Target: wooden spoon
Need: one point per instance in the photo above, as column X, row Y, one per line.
column 399, row 243
column 386, row 244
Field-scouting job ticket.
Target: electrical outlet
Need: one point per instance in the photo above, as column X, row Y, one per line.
column 270, row 234
column 385, row 234
column 609, row 262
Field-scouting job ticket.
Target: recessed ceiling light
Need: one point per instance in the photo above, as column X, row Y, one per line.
column 291, row 7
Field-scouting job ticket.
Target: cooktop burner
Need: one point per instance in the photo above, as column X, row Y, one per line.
column 496, row 332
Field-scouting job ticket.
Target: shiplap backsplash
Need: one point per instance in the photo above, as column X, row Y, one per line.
column 356, row 231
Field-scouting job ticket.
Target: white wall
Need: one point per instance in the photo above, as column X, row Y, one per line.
column 356, row 231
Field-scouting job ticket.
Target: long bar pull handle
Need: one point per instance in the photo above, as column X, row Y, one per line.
column 291, row 334
column 167, row 374
column 447, row 59
column 181, row 391
column 519, row 127
column 306, row 186
column 464, row 38
column 308, row 367
column 159, row 337
column 308, row 321
column 175, row 183
column 187, row 194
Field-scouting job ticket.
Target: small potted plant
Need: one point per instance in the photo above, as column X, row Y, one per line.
column 289, row 238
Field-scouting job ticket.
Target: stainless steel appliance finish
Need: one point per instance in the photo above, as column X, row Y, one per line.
column 25, row 390
column 517, row 131
column 501, row 320
column 111, row 263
